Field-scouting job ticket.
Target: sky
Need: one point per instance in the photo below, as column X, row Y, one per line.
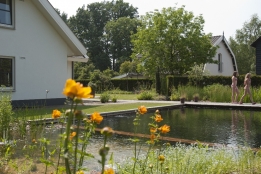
column 220, row 15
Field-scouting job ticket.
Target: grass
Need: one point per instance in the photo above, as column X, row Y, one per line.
column 45, row 112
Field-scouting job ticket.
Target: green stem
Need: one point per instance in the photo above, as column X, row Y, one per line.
column 86, row 139
column 76, row 145
column 59, row 155
column 66, row 141
column 103, row 155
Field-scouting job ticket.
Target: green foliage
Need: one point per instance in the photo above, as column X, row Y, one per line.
column 118, row 33
column 128, row 67
column 83, row 70
column 146, row 95
column 102, row 81
column 105, row 97
column 6, row 115
column 114, row 98
column 196, row 74
column 91, row 26
column 217, row 93
column 198, row 158
column 244, row 37
column 172, row 40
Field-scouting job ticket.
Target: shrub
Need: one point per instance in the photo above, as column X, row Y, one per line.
column 145, row 95
column 105, row 97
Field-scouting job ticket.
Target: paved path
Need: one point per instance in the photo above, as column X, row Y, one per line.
column 257, row 106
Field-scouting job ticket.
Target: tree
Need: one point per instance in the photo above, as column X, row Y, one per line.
column 63, row 15
column 83, row 70
column 118, row 34
column 244, row 53
column 128, row 67
column 89, row 26
column 196, row 74
column 171, row 41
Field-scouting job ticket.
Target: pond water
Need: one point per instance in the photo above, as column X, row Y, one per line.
column 228, row 127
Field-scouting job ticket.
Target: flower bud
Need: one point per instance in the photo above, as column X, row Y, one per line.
column 107, row 131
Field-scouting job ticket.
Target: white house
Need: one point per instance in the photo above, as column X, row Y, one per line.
column 37, row 51
column 226, row 59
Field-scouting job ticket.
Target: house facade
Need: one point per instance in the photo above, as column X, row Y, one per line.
column 37, row 51
column 224, row 56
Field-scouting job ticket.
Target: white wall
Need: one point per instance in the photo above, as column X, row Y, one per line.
column 45, row 52
column 227, row 66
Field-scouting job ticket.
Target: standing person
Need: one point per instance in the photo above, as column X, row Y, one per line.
column 247, row 83
column 234, row 88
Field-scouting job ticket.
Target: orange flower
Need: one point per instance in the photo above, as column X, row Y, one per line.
column 56, row 114
column 158, row 118
column 153, row 130
column 73, row 89
column 109, row 171
column 164, row 129
column 152, row 138
column 96, row 117
column 161, row 158
column 73, row 134
column 142, row 110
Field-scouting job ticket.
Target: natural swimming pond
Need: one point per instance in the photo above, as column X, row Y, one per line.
column 228, row 127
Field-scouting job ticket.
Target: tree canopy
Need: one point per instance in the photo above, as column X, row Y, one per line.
column 90, row 26
column 244, row 37
column 172, row 41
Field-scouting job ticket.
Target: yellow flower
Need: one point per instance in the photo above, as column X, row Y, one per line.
column 56, row 114
column 161, row 158
column 109, row 171
column 164, row 129
column 158, row 118
column 73, row 89
column 73, row 134
column 142, row 110
column 80, row 172
column 96, row 117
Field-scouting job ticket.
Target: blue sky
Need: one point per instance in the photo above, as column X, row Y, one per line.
column 219, row 15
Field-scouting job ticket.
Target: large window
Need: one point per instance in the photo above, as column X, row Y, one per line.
column 220, row 62
column 7, row 72
column 6, row 12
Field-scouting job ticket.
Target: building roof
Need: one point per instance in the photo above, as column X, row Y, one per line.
column 78, row 50
column 254, row 43
column 216, row 40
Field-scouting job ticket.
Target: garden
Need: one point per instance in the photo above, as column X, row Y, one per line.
column 62, row 143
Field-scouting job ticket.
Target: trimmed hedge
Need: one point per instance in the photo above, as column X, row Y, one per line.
column 169, row 81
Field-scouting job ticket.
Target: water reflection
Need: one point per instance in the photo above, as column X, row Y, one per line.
column 229, row 127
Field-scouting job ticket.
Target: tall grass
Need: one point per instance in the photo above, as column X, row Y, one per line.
column 214, row 93
column 191, row 159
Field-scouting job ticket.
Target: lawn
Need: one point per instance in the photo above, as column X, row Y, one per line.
column 45, row 112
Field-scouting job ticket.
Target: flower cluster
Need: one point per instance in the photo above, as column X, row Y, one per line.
column 154, row 128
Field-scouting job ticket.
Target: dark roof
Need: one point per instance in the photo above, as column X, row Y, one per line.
column 214, row 39
column 254, row 43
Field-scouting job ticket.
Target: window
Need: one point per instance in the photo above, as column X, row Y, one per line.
column 6, row 13
column 7, row 72
column 220, row 62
